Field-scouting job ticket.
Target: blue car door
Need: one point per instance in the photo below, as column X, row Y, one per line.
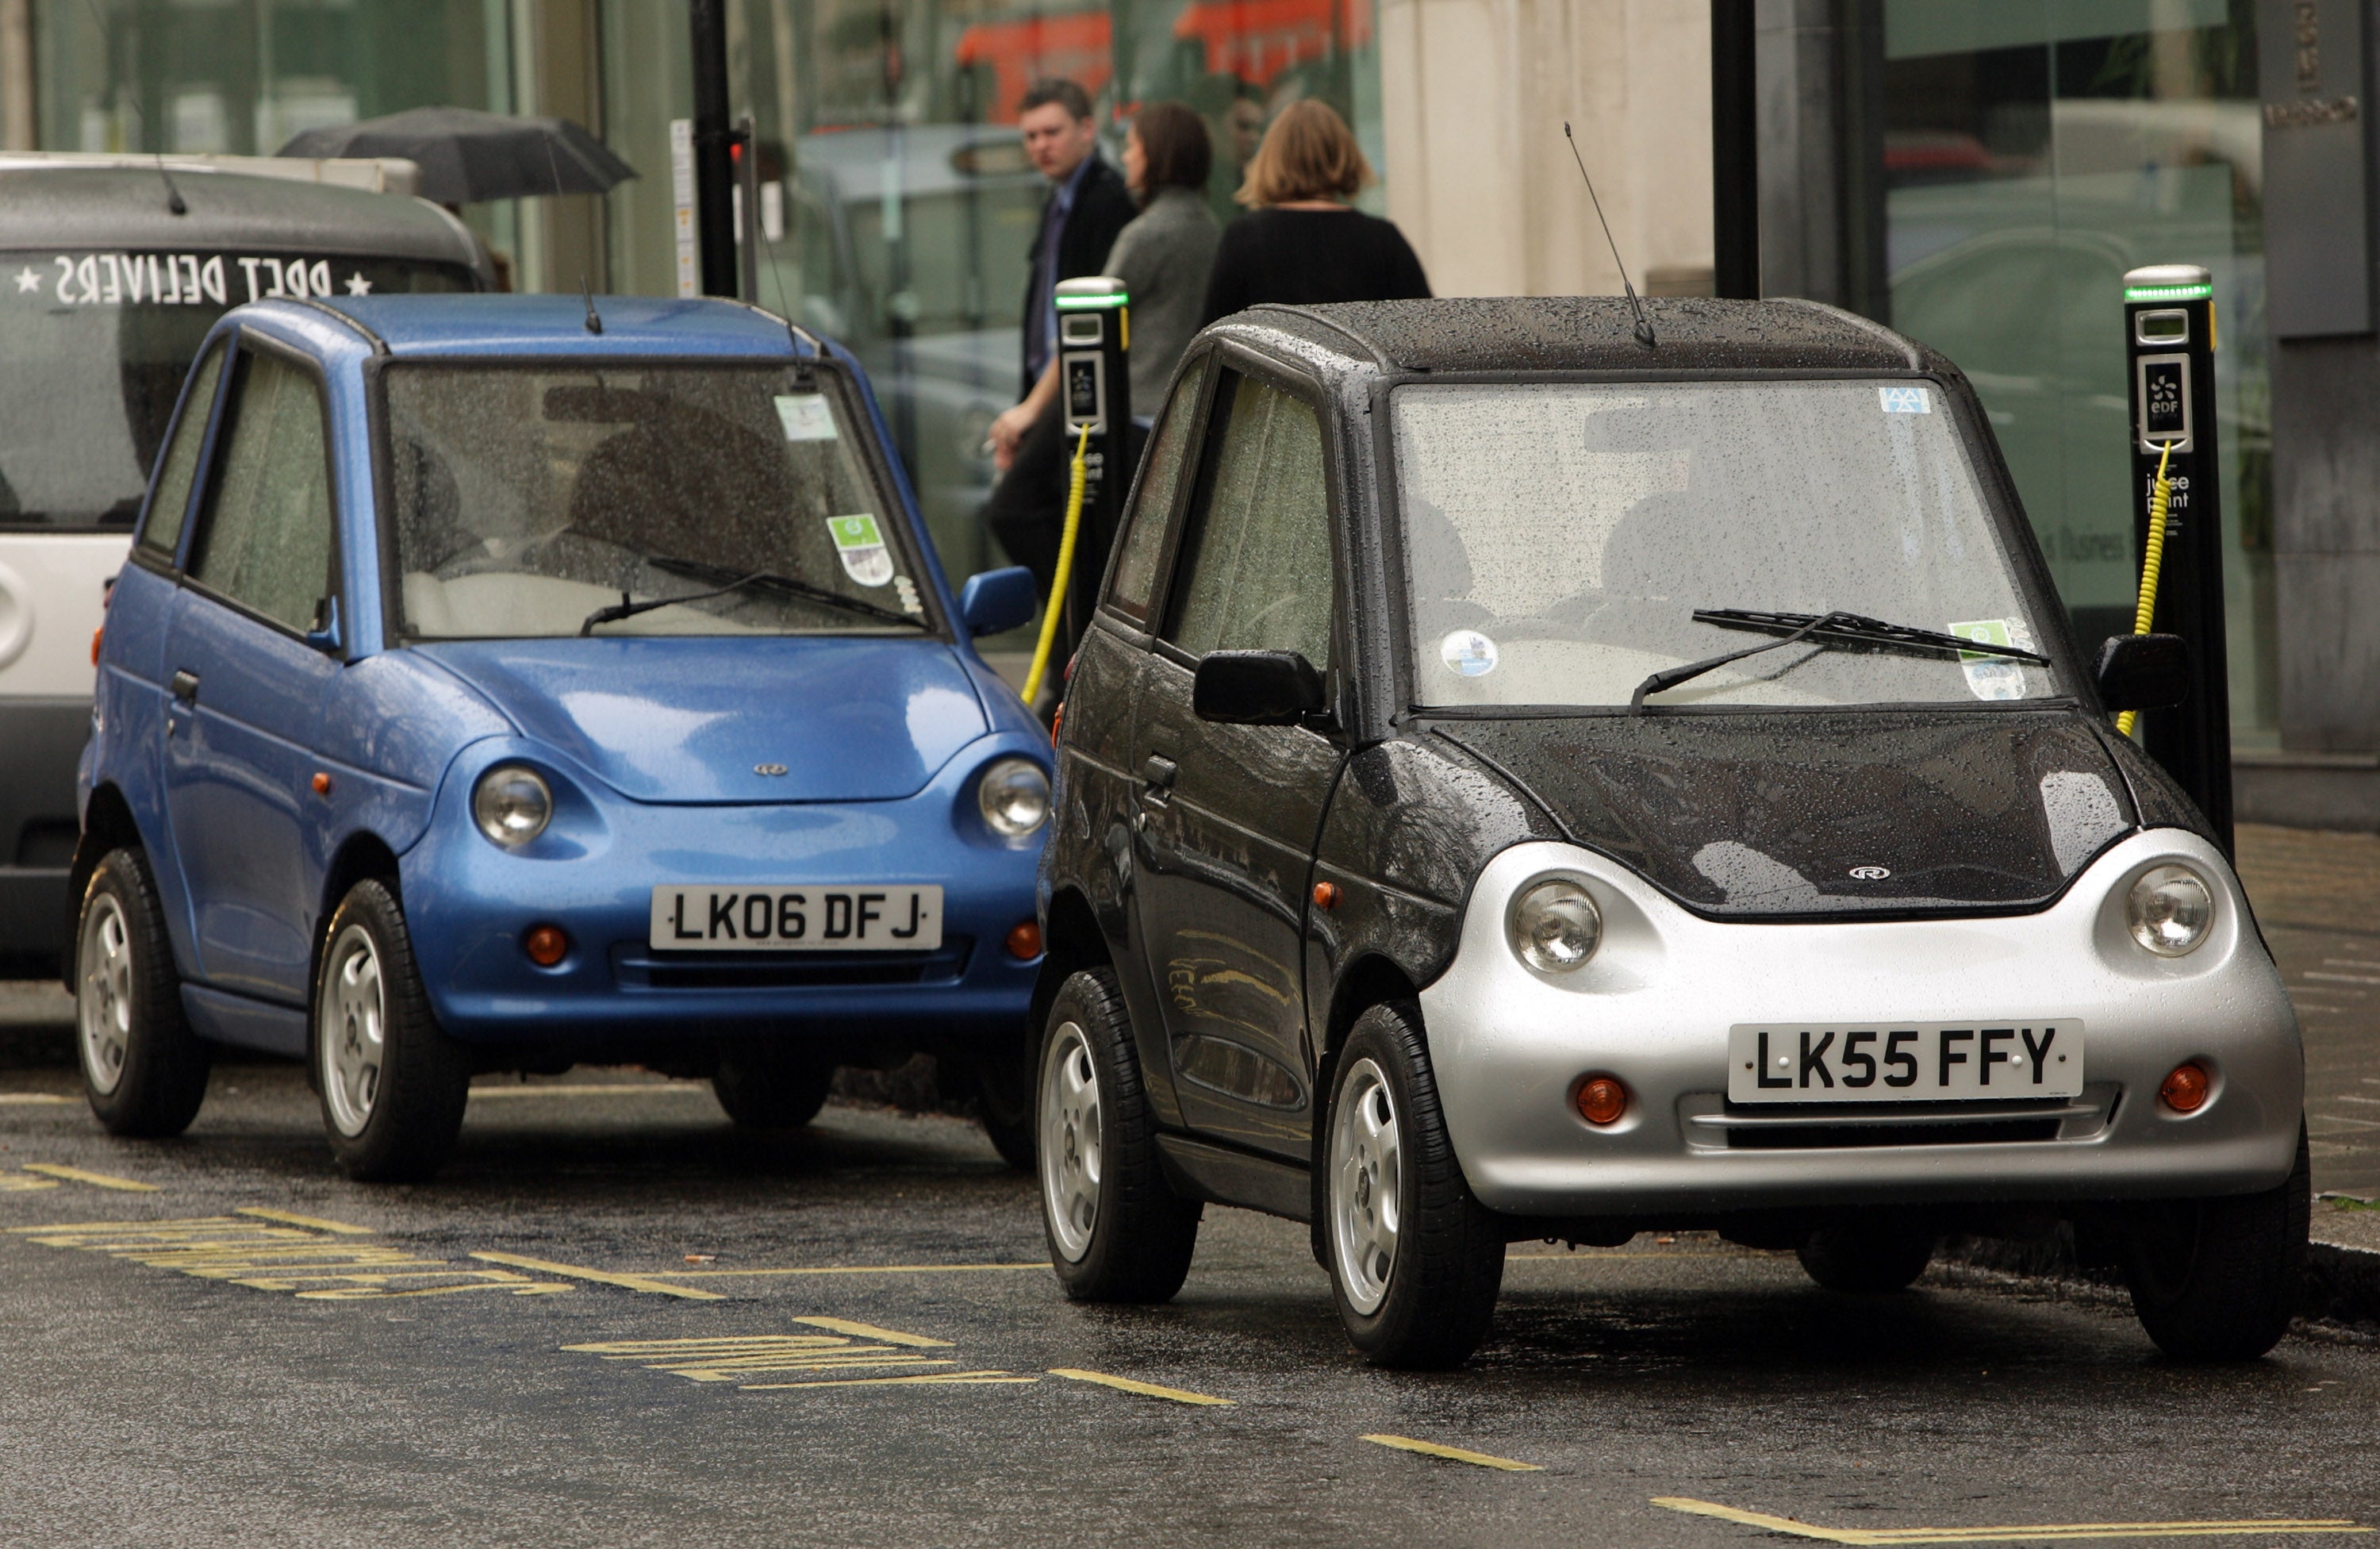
column 245, row 690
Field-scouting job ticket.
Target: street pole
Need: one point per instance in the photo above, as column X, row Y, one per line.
column 2169, row 343
column 1735, row 152
column 714, row 174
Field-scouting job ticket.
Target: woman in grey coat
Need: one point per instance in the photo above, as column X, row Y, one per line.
column 1163, row 257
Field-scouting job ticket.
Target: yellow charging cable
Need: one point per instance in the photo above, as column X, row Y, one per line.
column 2151, row 560
column 1065, row 568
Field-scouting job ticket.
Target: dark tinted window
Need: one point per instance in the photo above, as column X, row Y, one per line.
column 173, row 501
column 1144, row 539
column 1256, row 572
column 267, row 538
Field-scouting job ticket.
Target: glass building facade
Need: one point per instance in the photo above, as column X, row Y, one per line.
column 2032, row 152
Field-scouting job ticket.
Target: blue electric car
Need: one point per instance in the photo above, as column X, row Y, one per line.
column 503, row 682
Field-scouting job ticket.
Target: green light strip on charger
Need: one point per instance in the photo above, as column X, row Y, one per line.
column 2169, row 293
column 1090, row 303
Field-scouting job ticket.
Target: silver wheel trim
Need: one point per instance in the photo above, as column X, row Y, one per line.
column 1070, row 1125
column 1366, row 1154
column 104, row 992
column 351, row 1029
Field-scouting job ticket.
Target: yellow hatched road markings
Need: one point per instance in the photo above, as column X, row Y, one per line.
column 97, row 1180
column 644, row 1283
column 592, row 1089
column 840, row 1269
column 1457, row 1454
column 1146, row 1390
column 24, row 1183
column 2036, row 1533
column 819, row 1359
column 315, row 1260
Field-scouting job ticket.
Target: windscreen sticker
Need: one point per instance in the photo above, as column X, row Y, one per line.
column 1994, row 678
column 806, row 416
column 907, row 589
column 1905, row 400
column 1468, row 652
column 860, row 546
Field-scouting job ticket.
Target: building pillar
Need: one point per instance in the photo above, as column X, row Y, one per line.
column 1473, row 96
column 19, row 129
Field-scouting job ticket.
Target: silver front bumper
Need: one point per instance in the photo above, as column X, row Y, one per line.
column 1653, row 1008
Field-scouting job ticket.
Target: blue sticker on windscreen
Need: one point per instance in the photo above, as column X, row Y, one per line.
column 1905, row 400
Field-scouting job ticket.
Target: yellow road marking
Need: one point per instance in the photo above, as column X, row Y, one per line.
column 1146, row 1390
column 842, row 1269
column 28, row 1099
column 2010, row 1534
column 726, row 1360
column 600, row 1276
column 948, row 1379
column 591, row 1089
column 869, row 1331
column 264, row 1257
column 1458, row 1455
column 24, row 1183
column 312, row 1223
column 97, row 1180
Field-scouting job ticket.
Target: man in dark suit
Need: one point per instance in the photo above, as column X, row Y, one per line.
column 1087, row 207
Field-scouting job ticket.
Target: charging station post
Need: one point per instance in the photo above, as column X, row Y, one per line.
column 1094, row 388
column 2169, row 347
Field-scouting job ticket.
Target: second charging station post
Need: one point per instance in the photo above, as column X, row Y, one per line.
column 1095, row 392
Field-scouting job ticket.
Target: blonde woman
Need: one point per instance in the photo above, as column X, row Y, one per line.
column 1301, row 240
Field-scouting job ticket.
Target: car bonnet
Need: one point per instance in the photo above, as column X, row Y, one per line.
column 1811, row 814
column 713, row 720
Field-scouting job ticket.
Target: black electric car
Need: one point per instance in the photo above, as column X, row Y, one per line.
column 1525, row 782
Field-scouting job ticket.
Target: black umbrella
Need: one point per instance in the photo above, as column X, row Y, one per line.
column 466, row 155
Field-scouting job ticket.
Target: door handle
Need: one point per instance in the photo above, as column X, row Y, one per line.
column 186, row 686
column 1156, row 776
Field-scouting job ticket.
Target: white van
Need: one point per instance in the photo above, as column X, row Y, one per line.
column 105, row 290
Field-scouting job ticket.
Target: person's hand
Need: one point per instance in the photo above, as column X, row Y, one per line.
column 1007, row 432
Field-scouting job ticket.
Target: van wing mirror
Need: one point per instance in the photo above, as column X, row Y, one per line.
column 1256, row 688
column 2144, row 672
column 995, row 601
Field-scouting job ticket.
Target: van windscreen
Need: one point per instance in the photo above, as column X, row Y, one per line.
column 94, row 348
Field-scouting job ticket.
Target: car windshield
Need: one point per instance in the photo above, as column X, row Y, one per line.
column 93, row 348
column 647, row 500
column 1560, row 538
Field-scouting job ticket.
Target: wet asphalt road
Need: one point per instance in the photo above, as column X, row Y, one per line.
column 147, row 1394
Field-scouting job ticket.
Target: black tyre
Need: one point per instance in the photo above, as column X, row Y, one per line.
column 767, row 1087
column 1117, row 1232
column 1004, row 1084
column 144, row 1070
column 2218, row 1279
column 1415, row 1261
column 1869, row 1251
column 393, row 1084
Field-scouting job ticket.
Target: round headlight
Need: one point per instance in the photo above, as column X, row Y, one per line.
column 1014, row 797
column 512, row 804
column 1555, row 926
column 2169, row 909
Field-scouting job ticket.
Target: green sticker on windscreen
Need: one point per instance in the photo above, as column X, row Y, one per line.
column 860, row 546
column 1994, row 678
column 806, row 416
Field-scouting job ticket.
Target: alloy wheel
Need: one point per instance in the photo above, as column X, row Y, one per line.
column 351, row 1029
column 104, row 995
column 1366, row 1149
column 1070, row 1142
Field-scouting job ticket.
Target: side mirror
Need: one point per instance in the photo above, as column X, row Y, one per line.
column 324, row 634
column 998, row 600
column 1256, row 688
column 2144, row 672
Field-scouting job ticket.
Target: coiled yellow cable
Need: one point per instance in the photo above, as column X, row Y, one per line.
column 2151, row 560
column 1065, row 568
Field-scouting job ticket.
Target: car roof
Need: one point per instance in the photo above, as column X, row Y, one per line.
column 92, row 207
column 550, row 325
column 1593, row 333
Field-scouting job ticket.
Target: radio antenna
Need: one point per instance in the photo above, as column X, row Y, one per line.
column 1644, row 324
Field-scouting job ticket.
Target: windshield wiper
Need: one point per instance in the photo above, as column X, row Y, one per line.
column 613, row 612
column 788, row 584
column 1828, row 628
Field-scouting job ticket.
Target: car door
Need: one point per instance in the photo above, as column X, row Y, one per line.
column 1229, row 814
column 245, row 688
